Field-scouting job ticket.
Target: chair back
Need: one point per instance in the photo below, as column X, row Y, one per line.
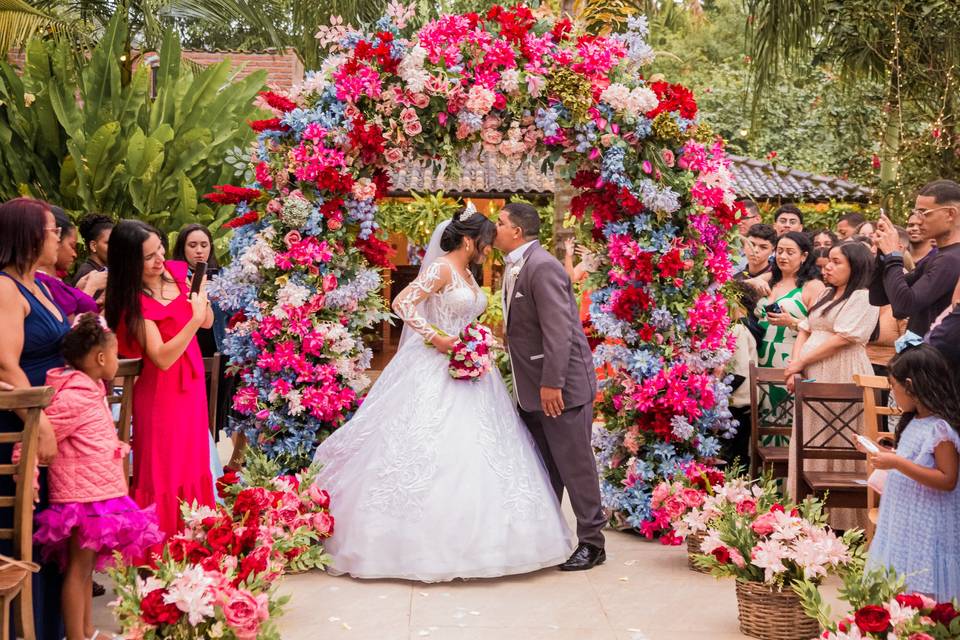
column 212, row 370
column 840, row 407
column 763, row 380
column 873, row 413
column 31, row 400
column 127, row 374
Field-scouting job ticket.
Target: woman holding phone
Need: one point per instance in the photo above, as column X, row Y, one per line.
column 789, row 289
column 831, row 347
column 156, row 317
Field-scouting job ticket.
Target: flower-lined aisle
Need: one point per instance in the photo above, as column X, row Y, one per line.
column 217, row 578
column 655, row 189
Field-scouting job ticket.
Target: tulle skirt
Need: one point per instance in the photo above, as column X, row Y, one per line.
column 106, row 526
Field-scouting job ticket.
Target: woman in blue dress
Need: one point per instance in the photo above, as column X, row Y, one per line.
column 920, row 508
column 32, row 327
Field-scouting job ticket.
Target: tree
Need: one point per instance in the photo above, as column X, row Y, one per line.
column 908, row 45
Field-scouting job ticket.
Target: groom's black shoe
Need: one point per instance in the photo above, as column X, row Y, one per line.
column 586, row 556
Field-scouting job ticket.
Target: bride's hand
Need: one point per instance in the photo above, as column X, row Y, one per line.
column 443, row 344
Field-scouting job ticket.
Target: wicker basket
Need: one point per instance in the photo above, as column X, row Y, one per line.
column 773, row 615
column 694, row 540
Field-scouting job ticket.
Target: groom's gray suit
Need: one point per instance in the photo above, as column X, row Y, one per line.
column 548, row 348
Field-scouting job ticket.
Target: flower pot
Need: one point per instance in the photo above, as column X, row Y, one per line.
column 693, row 548
column 773, row 615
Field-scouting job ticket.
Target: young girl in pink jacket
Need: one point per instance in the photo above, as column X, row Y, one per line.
column 90, row 514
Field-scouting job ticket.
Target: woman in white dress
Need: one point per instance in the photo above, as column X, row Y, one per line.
column 435, row 478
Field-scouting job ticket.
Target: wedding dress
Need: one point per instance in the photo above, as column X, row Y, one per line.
column 435, row 478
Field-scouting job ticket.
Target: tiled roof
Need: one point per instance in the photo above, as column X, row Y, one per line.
column 483, row 172
column 762, row 180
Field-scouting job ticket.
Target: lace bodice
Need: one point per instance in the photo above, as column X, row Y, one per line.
column 440, row 297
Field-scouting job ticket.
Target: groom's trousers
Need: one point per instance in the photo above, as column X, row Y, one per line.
column 567, row 450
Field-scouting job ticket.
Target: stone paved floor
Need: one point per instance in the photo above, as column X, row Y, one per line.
column 644, row 592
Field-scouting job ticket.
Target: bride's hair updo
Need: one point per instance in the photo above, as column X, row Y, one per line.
column 476, row 226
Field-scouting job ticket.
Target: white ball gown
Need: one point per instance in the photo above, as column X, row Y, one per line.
column 435, row 478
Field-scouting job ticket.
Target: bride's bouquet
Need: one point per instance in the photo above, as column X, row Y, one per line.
column 472, row 354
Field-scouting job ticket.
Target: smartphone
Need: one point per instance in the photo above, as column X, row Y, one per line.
column 773, row 308
column 199, row 270
column 868, row 444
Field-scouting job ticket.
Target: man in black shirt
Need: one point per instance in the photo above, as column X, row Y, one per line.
column 923, row 294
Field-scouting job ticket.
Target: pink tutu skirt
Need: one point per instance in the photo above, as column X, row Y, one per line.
column 117, row 524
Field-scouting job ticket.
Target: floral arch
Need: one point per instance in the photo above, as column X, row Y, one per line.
column 654, row 187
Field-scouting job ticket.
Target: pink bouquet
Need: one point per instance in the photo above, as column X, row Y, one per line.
column 471, row 356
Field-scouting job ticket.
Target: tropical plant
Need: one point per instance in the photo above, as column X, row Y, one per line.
column 909, row 46
column 80, row 136
column 417, row 218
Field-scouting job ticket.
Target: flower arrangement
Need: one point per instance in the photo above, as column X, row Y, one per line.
column 215, row 578
column 757, row 539
column 654, row 183
column 471, row 355
column 881, row 609
column 673, row 499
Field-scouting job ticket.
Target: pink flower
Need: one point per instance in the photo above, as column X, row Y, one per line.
column 480, row 99
column 393, row 155
column 920, row 636
column 668, row 157
column 764, row 525
column 421, row 100
column 675, row 506
column 364, row 189
column 413, row 128
column 319, row 496
column 660, row 493
column 491, row 136
column 292, row 238
column 329, row 282
column 245, row 612
column 274, row 206
column 737, row 558
column 692, row 497
column 323, row 522
column 747, row 506
column 408, row 115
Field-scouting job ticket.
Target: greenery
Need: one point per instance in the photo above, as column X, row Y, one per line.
column 859, row 589
column 84, row 136
column 417, row 218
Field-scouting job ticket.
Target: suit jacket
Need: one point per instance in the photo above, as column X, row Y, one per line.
column 545, row 338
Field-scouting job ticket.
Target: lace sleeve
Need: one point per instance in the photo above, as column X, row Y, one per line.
column 432, row 280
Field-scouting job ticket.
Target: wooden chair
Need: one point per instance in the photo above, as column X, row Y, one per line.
column 126, row 375
column 211, row 368
column 16, row 574
column 873, row 428
column 768, row 457
column 840, row 406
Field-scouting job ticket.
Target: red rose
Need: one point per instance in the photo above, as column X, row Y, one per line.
column 253, row 564
column 153, row 610
column 251, row 502
column 776, row 507
column 944, row 613
column 222, row 539
column 247, row 539
column 229, row 478
column 911, row 600
column 722, row 554
column 872, row 619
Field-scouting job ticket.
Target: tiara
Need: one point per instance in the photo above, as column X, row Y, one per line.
column 468, row 212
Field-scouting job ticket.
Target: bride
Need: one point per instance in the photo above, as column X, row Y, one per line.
column 435, row 478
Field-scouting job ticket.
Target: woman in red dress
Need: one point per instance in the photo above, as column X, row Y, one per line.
column 149, row 305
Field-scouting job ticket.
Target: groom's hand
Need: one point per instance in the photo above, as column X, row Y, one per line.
column 551, row 400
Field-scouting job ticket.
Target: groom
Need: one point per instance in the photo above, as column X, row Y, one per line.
column 553, row 375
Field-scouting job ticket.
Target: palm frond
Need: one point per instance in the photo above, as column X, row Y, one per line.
column 19, row 21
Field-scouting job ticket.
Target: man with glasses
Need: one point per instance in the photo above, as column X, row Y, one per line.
column 924, row 293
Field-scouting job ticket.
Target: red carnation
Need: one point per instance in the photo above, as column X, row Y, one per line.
column 229, row 478
column 248, row 218
column 376, row 251
column 722, row 554
column 944, row 613
column 256, row 562
column 872, row 619
column 251, row 502
column 222, row 540
column 561, row 29
column 271, row 124
column 153, row 610
column 278, row 102
column 910, row 600
column 673, row 98
column 229, row 194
